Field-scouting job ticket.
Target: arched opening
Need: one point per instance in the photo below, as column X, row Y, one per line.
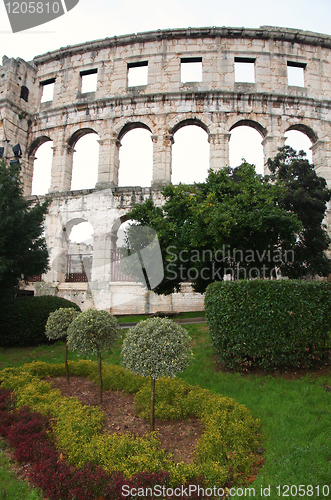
column 246, row 144
column 299, row 140
column 79, row 235
column 85, row 160
column 120, row 260
column 42, row 168
column 136, row 157
column 190, row 154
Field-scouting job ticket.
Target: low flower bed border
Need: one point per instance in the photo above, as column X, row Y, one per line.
column 225, row 453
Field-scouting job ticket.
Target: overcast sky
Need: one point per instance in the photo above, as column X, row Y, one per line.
column 91, row 20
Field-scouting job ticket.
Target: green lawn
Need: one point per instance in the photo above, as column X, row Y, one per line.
column 10, row 487
column 295, row 415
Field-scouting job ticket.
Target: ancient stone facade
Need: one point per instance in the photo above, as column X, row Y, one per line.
column 218, row 103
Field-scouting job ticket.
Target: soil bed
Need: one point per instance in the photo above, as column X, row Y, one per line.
column 176, row 436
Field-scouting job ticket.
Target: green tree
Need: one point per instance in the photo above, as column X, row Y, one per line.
column 23, row 251
column 156, row 347
column 91, row 332
column 305, row 194
column 232, row 223
column 57, row 328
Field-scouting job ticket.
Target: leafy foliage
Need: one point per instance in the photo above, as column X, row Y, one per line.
column 23, row 251
column 156, row 347
column 58, row 322
column 270, row 324
column 306, row 195
column 92, row 331
column 57, row 327
column 23, row 320
column 106, row 462
column 205, row 229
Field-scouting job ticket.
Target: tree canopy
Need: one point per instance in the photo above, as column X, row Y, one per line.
column 305, row 194
column 23, row 251
column 230, row 224
column 242, row 224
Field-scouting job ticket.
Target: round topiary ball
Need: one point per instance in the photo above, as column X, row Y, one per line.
column 91, row 331
column 156, row 347
column 58, row 322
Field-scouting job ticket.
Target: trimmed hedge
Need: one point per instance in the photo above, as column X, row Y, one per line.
column 23, row 320
column 269, row 324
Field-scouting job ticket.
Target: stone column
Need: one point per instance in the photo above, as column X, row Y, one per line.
column 219, row 150
column 27, row 174
column 270, row 148
column 162, row 157
column 61, row 168
column 108, row 162
column 321, row 150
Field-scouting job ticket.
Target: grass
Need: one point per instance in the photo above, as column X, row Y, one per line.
column 295, row 413
column 12, row 488
column 140, row 317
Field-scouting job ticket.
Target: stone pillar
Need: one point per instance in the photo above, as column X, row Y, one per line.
column 219, row 150
column 27, row 174
column 61, row 168
column 162, row 157
column 270, row 148
column 321, row 150
column 108, row 162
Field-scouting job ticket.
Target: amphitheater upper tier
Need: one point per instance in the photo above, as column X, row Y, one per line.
column 218, row 100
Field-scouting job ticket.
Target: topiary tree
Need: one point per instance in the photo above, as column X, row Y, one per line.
column 57, row 326
column 156, row 348
column 91, row 332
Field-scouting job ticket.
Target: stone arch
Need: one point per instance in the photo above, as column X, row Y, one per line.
column 30, row 170
column 39, row 141
column 78, row 134
column 131, row 126
column 190, row 157
column 247, row 143
column 250, row 123
column 305, row 129
column 84, row 175
column 189, row 121
column 78, row 256
column 138, row 171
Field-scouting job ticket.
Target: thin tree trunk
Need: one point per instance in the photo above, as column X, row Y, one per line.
column 100, row 377
column 152, row 419
column 66, row 363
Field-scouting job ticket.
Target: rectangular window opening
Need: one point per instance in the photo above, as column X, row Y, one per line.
column 47, row 90
column 244, row 69
column 137, row 73
column 191, row 69
column 296, row 74
column 89, row 80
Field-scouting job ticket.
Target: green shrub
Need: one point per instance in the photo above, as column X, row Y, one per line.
column 23, row 320
column 270, row 324
column 156, row 347
column 57, row 328
column 91, row 332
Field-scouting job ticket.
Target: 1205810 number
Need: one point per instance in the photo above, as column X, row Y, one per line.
column 32, row 7
column 302, row 490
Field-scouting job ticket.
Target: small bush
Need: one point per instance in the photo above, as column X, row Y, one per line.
column 23, row 320
column 91, row 332
column 270, row 324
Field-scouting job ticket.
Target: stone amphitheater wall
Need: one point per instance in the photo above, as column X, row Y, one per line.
column 218, row 103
